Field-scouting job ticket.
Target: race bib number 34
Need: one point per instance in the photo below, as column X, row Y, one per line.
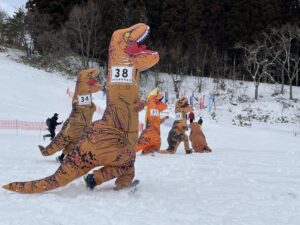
column 121, row 74
column 178, row 116
column 84, row 99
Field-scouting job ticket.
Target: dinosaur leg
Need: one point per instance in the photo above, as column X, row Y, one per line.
column 69, row 148
column 77, row 163
column 173, row 145
column 172, row 148
column 126, row 179
column 124, row 174
column 186, row 144
column 207, row 149
column 57, row 144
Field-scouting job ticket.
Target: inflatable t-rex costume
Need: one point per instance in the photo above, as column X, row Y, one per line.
column 198, row 139
column 149, row 140
column 81, row 115
column 109, row 142
column 177, row 133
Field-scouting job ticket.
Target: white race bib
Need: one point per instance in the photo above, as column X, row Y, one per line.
column 121, row 74
column 178, row 116
column 84, row 99
column 154, row 112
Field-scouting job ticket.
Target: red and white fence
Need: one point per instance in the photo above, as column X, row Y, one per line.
column 22, row 125
column 32, row 125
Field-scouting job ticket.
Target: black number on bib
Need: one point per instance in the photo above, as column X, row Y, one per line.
column 125, row 73
column 118, row 73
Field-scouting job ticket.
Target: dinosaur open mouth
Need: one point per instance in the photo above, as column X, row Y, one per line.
column 92, row 82
column 159, row 100
column 137, row 48
column 185, row 105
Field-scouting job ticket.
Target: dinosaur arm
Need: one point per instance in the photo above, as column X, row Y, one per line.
column 140, row 105
column 164, row 119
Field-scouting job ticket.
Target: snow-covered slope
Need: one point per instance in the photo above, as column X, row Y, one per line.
column 250, row 178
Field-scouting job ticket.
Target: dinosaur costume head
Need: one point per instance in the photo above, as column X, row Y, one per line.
column 155, row 101
column 86, row 84
column 126, row 48
column 182, row 105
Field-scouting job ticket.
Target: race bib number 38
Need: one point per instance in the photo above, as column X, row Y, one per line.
column 84, row 99
column 121, row 74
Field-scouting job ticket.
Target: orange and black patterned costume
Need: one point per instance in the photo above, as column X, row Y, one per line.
column 81, row 115
column 149, row 140
column 198, row 139
column 177, row 133
column 109, row 142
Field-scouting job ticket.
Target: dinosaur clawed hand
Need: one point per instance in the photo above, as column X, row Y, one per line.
column 140, row 105
column 43, row 150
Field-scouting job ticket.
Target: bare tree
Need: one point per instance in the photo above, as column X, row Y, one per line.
column 294, row 73
column 84, row 29
column 46, row 41
column 200, row 50
column 177, row 55
column 158, row 81
column 177, row 82
column 257, row 63
column 282, row 39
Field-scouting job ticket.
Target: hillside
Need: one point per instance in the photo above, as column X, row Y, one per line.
column 250, row 178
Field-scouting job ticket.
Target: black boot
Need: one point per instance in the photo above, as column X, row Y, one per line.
column 90, row 181
column 60, row 158
column 189, row 151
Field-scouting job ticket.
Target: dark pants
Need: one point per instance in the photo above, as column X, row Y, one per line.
column 51, row 135
column 191, row 120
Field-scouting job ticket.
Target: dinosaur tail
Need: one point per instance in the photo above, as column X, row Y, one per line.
column 72, row 167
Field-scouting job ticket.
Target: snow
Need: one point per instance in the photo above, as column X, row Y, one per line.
column 250, row 178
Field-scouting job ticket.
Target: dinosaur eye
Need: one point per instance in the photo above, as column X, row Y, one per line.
column 127, row 36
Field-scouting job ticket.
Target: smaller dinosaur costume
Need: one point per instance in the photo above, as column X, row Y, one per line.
column 177, row 133
column 149, row 140
column 81, row 115
column 198, row 139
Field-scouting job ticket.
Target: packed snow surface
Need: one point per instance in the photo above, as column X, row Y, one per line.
column 252, row 177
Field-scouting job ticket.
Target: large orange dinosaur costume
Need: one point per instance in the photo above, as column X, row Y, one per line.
column 81, row 115
column 198, row 139
column 177, row 133
column 149, row 140
column 109, row 142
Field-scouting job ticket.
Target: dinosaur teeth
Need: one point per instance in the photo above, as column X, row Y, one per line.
column 142, row 38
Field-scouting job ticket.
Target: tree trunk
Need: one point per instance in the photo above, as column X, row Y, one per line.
column 256, row 92
column 291, row 89
column 282, row 82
